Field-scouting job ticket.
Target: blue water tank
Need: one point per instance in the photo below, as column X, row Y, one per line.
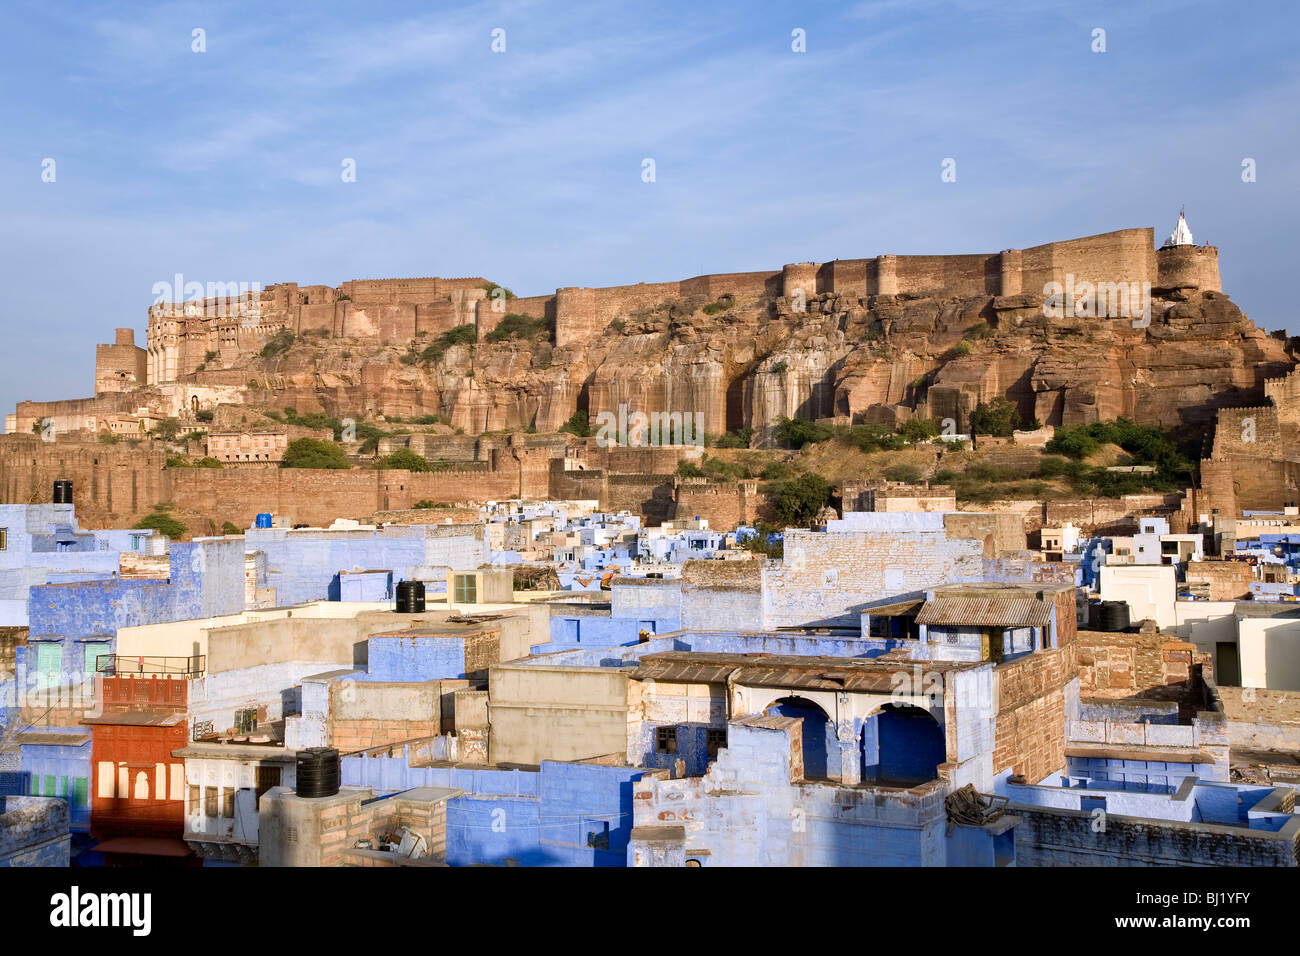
column 264, row 520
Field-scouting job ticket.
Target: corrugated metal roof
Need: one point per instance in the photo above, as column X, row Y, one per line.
column 683, row 672
column 986, row 611
column 896, row 609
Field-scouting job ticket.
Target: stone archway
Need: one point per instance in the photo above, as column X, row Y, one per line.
column 818, row 734
column 902, row 745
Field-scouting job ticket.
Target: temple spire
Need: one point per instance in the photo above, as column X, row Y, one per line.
column 1181, row 236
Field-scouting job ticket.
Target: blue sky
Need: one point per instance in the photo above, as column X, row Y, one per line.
column 525, row 166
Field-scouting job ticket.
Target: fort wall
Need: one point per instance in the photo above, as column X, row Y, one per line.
column 396, row 310
column 1182, row 266
column 122, row 366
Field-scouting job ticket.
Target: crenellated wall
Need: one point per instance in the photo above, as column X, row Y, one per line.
column 1195, row 266
column 122, row 366
column 397, row 310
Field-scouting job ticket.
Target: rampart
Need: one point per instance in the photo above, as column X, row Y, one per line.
column 396, row 311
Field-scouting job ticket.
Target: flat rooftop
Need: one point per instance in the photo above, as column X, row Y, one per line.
column 763, row 670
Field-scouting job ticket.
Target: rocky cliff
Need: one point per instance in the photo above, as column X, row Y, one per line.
column 746, row 363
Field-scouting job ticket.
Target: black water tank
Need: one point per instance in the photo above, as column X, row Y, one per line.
column 1094, row 615
column 1113, row 616
column 63, row 492
column 410, row 597
column 317, row 770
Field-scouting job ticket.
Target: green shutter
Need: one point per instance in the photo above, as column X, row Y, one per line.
column 34, row 785
column 80, row 788
column 93, row 650
column 51, row 786
column 49, row 663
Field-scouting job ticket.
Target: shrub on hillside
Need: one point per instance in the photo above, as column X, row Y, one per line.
column 407, row 459
column 796, row 432
column 798, row 500
column 161, row 522
column 998, row 418
column 314, row 453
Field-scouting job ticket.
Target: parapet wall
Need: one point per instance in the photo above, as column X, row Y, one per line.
column 397, row 310
column 1181, row 266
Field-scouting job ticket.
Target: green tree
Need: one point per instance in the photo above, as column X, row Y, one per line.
column 314, row 453
column 795, row 432
column 759, row 544
column 514, row 324
column 578, row 424
column 162, row 522
column 919, row 429
column 167, row 429
column 407, row 459
column 799, row 500
column 740, row 438
column 998, row 418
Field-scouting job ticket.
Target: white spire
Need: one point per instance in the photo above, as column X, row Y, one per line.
column 1181, row 236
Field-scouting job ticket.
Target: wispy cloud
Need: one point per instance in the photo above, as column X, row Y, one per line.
column 526, row 166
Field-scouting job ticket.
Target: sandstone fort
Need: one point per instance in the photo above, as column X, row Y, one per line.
column 875, row 340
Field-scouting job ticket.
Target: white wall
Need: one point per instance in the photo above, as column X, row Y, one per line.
column 1148, row 589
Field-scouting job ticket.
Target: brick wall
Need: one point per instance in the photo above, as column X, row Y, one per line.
column 1251, row 432
column 1123, row 665
column 723, row 504
column 1259, row 719
column 1053, row 837
column 1030, row 694
column 1226, row 580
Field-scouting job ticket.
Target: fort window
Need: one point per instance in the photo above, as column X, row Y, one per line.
column 466, row 589
column 667, row 740
column 106, row 771
column 228, row 803
column 267, row 777
column 246, row 720
column 209, row 801
column 4, row 539
column 93, row 650
column 49, row 664
column 716, row 740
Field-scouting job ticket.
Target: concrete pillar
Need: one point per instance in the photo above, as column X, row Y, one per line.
column 850, row 755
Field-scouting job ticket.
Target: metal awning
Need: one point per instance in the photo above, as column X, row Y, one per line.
column 985, row 612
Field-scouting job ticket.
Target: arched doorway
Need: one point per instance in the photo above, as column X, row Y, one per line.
column 902, row 745
column 815, row 726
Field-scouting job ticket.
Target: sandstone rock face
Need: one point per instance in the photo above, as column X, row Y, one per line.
column 880, row 358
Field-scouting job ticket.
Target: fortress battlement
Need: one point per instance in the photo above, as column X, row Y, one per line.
column 182, row 337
